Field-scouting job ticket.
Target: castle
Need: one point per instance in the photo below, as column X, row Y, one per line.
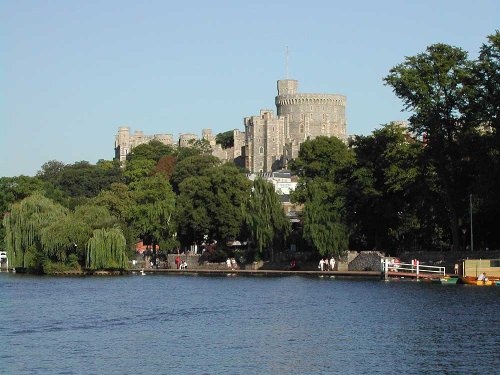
column 269, row 141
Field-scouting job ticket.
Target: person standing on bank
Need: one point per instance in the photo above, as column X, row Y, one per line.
column 332, row 263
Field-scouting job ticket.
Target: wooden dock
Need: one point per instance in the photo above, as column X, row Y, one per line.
column 260, row 272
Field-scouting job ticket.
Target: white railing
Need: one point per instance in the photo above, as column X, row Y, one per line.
column 415, row 267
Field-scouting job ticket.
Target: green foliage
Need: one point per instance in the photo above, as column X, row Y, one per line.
column 264, row 216
column 390, row 197
column 324, row 165
column 437, row 86
column 137, row 169
column 323, row 221
column 52, row 268
column 192, row 166
column 83, row 179
column 154, row 150
column 24, row 225
column 153, row 211
column 211, row 204
column 226, row 139
column 107, row 250
column 325, row 157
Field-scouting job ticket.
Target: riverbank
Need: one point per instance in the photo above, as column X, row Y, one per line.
column 260, row 272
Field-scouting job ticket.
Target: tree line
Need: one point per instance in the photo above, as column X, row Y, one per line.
column 400, row 188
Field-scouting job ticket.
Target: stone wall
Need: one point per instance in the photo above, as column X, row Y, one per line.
column 366, row 261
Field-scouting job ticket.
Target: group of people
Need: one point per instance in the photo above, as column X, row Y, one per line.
column 231, row 263
column 327, row 265
column 180, row 264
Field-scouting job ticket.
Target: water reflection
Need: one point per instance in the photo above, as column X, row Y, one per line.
column 245, row 325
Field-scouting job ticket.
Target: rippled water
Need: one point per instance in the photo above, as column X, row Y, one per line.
column 244, row 325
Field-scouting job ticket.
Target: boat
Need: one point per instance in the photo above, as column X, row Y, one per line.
column 448, row 280
column 470, row 280
column 443, row 280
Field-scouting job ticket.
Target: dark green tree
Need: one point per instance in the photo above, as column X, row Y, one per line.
column 154, row 150
column 212, row 204
column 324, row 166
column 226, row 139
column 436, row 87
column 392, row 202
column 192, row 166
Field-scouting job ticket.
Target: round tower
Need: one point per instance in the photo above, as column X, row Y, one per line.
column 310, row 115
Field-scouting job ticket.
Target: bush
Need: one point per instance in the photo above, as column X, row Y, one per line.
column 52, row 268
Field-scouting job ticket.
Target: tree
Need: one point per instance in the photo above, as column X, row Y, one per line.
column 324, row 165
column 435, row 86
column 119, row 200
column 483, row 147
column 323, row 219
column 154, row 150
column 392, row 203
column 137, row 169
column 265, row 217
column 326, row 157
column 106, row 250
column 226, row 139
column 152, row 214
column 51, row 170
column 211, row 204
column 83, row 179
column 192, row 166
column 165, row 166
column 24, row 224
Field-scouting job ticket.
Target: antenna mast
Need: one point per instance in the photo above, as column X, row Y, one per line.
column 286, row 63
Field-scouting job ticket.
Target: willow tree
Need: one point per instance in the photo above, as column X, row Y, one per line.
column 69, row 234
column 264, row 216
column 24, row 224
column 323, row 219
column 106, row 250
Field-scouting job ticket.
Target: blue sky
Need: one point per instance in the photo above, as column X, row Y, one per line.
column 72, row 72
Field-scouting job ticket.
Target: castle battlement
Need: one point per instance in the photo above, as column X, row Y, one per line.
column 270, row 140
column 327, row 99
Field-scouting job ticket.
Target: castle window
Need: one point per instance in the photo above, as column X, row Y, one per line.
column 301, row 128
column 301, row 116
column 311, row 116
column 324, row 116
column 261, row 150
column 261, row 164
column 311, row 108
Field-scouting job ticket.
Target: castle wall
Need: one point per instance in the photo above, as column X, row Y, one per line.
column 269, row 142
column 264, row 142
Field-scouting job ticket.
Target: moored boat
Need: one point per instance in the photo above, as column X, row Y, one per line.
column 474, row 281
column 448, row 280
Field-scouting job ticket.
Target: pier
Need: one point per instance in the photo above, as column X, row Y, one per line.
column 260, row 272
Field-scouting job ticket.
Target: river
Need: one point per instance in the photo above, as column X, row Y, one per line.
column 158, row 324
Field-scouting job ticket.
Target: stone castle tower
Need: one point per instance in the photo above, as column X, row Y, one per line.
column 271, row 141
